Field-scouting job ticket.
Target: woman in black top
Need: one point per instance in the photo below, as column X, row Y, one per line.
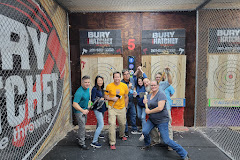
column 99, row 108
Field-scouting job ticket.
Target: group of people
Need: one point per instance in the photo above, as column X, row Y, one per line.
column 120, row 94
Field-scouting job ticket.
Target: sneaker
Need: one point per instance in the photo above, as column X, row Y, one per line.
column 187, row 157
column 124, row 138
column 170, row 149
column 153, row 143
column 141, row 138
column 84, row 147
column 101, row 136
column 126, row 134
column 112, row 147
column 96, row 145
column 136, row 132
column 145, row 147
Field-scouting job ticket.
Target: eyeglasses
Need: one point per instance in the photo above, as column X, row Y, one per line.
column 153, row 85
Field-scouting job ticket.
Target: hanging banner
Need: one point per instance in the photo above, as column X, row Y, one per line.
column 171, row 41
column 33, row 72
column 100, row 42
column 224, row 40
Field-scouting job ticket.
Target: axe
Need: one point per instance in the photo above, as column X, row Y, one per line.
column 119, row 97
column 145, row 97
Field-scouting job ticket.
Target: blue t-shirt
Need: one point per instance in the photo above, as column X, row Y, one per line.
column 168, row 92
column 163, row 85
column 159, row 117
column 81, row 97
column 98, row 93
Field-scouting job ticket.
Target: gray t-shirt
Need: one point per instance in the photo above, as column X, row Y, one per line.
column 159, row 117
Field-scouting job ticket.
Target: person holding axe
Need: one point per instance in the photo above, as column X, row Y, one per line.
column 131, row 110
column 117, row 97
column 80, row 109
column 160, row 78
column 155, row 104
column 99, row 108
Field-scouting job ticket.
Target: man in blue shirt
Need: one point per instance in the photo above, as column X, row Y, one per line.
column 80, row 109
column 169, row 91
column 131, row 110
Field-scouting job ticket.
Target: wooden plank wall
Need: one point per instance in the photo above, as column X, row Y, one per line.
column 177, row 65
column 131, row 26
column 223, row 80
column 103, row 65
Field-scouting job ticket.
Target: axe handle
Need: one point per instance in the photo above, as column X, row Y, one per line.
column 146, row 106
column 163, row 74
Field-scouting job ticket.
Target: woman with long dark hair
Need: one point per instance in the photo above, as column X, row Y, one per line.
column 99, row 108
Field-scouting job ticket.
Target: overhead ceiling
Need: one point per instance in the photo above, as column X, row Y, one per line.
column 144, row 5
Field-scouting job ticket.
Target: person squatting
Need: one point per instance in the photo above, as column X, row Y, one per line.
column 153, row 99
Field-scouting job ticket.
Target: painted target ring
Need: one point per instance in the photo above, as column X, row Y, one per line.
column 103, row 69
column 227, row 77
column 174, row 71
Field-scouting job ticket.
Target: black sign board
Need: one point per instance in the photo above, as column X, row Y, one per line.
column 100, row 41
column 224, row 40
column 171, row 41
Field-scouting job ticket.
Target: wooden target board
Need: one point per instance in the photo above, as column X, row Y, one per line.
column 103, row 65
column 152, row 64
column 223, row 76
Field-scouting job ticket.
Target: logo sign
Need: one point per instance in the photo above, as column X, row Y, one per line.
column 100, row 41
column 31, row 78
column 178, row 102
column 171, row 41
column 225, row 40
column 223, row 102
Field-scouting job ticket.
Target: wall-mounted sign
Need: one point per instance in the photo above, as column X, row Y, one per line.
column 225, row 40
column 31, row 76
column 178, row 102
column 100, row 42
column 171, row 41
column 223, row 102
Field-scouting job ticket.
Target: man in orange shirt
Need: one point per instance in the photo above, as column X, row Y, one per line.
column 117, row 97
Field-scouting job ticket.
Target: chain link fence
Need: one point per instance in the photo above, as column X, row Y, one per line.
column 218, row 72
column 34, row 78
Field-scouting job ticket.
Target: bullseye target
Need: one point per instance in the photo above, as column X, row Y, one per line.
column 103, row 66
column 176, row 63
column 102, row 69
column 174, row 71
column 226, row 77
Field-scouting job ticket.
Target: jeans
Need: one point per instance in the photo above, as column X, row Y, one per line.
column 163, row 129
column 81, row 119
column 100, row 125
column 131, row 112
column 141, row 115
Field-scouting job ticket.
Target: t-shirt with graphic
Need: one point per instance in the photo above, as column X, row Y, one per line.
column 121, row 89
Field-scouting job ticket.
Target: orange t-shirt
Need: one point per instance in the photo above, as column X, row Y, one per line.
column 121, row 90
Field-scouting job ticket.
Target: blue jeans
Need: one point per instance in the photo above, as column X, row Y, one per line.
column 163, row 129
column 100, row 125
column 141, row 115
column 131, row 112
